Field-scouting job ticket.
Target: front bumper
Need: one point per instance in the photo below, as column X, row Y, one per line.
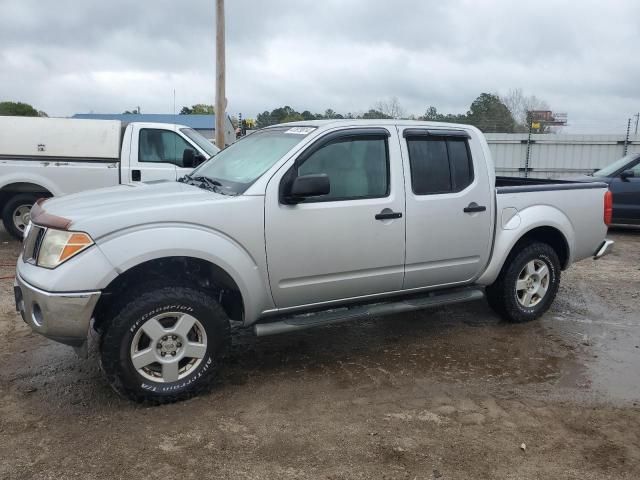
column 604, row 248
column 63, row 317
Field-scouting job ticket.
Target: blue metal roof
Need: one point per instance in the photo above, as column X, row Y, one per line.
column 198, row 122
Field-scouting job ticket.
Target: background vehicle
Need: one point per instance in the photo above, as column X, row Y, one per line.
column 296, row 226
column 43, row 157
column 623, row 178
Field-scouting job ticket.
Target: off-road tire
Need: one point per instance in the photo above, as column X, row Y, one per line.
column 119, row 332
column 9, row 208
column 502, row 296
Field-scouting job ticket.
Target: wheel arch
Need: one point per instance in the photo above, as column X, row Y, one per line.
column 13, row 188
column 541, row 223
column 181, row 270
column 549, row 235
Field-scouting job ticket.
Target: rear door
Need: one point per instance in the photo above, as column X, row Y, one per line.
column 338, row 246
column 156, row 154
column 626, row 196
column 448, row 207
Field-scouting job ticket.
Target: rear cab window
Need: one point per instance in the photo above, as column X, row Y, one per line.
column 440, row 163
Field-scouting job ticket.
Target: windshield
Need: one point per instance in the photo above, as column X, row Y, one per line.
column 610, row 170
column 200, row 141
column 242, row 163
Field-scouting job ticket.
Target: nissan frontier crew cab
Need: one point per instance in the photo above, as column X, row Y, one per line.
column 296, row 226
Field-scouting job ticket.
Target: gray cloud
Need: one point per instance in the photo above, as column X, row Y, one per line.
column 68, row 56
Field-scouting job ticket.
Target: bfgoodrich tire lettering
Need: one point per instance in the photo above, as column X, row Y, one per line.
column 146, row 335
column 527, row 284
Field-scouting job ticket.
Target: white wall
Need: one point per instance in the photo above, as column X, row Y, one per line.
column 556, row 155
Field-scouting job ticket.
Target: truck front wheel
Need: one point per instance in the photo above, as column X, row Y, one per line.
column 16, row 213
column 527, row 284
column 163, row 346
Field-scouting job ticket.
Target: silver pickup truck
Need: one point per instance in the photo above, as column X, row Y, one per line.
column 296, row 226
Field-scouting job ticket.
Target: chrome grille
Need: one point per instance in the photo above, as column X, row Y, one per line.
column 32, row 243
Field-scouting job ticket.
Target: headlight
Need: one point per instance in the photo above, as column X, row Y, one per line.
column 58, row 246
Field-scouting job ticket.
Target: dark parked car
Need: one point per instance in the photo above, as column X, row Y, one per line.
column 623, row 177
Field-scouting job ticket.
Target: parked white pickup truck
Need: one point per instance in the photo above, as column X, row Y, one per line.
column 291, row 227
column 43, row 157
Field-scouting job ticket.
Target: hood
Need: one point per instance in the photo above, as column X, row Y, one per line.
column 102, row 211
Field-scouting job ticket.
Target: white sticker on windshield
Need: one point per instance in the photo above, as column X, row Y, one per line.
column 300, row 130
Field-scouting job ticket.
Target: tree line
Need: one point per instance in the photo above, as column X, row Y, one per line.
column 489, row 112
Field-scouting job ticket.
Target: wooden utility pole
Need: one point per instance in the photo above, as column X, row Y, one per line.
column 220, row 75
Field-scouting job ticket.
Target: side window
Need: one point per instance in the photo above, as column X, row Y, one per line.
column 161, row 146
column 636, row 170
column 430, row 171
column 439, row 165
column 460, row 160
column 356, row 167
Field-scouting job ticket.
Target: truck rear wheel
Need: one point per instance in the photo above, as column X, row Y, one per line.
column 163, row 346
column 17, row 213
column 527, row 284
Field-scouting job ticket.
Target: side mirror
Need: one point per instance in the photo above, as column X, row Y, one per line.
column 191, row 159
column 627, row 174
column 306, row 186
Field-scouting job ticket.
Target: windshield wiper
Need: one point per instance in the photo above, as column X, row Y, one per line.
column 205, row 182
column 209, row 181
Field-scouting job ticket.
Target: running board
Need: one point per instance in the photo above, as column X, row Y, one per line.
column 337, row 315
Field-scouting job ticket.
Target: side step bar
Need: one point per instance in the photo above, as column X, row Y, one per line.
column 337, row 315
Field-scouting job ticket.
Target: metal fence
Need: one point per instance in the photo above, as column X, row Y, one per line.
column 556, row 156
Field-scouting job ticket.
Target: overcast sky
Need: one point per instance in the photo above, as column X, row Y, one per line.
column 107, row 56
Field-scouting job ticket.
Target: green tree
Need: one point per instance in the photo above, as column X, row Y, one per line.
column 264, row 120
column 294, row 117
column 282, row 115
column 19, row 109
column 307, row 115
column 198, row 109
column 330, row 114
column 432, row 115
column 490, row 114
column 374, row 114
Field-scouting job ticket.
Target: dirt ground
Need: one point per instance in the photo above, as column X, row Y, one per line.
column 451, row 393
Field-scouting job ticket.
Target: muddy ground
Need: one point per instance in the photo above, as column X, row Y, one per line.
column 451, row 393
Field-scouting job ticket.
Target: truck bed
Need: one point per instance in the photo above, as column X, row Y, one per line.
column 520, row 184
column 568, row 206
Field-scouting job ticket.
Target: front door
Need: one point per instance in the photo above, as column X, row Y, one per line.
column 156, row 154
column 626, row 196
column 449, row 207
column 333, row 247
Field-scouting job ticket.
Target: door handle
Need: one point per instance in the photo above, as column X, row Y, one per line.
column 136, row 175
column 473, row 207
column 388, row 214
